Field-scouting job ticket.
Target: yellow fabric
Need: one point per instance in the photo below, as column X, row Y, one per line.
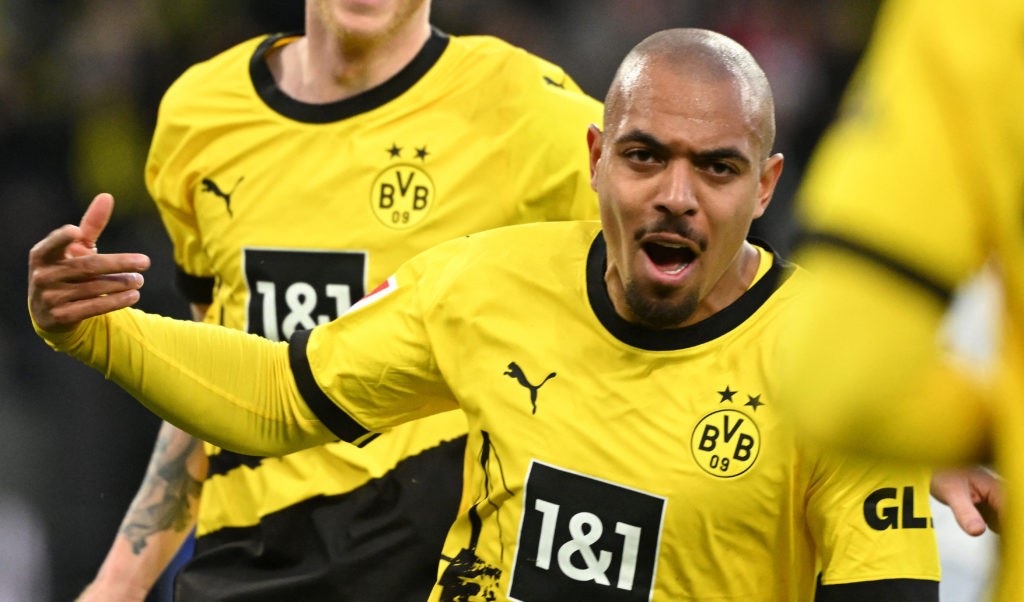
column 864, row 370
column 923, row 168
column 502, row 146
column 613, row 430
column 197, row 377
column 320, row 213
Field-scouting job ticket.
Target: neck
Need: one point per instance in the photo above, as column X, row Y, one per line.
column 733, row 283
column 326, row 65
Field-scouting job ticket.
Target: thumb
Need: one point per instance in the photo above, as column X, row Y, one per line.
column 95, row 219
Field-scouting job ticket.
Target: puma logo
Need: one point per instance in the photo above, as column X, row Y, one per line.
column 211, row 186
column 514, row 371
column 552, row 82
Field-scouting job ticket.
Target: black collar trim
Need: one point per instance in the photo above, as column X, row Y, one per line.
column 678, row 338
column 266, row 87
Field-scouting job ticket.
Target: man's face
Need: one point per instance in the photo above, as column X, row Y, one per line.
column 680, row 174
column 368, row 22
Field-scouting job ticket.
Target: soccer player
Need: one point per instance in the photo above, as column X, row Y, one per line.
column 917, row 189
column 291, row 172
column 625, row 434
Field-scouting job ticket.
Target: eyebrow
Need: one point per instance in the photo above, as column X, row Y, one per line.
column 642, row 137
column 709, row 155
column 727, row 152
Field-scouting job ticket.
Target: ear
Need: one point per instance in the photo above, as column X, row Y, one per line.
column 766, row 185
column 594, row 144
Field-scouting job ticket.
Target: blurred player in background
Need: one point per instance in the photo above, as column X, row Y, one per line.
column 292, row 171
column 625, row 439
column 917, row 189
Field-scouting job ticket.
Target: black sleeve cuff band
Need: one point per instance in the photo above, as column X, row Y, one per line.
column 333, row 417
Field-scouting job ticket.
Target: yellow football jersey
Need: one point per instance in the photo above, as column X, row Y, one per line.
column 920, row 183
column 282, row 214
column 607, row 461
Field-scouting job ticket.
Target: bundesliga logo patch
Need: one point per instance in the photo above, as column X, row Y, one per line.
column 383, row 290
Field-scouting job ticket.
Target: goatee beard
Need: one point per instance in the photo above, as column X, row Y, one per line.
column 656, row 312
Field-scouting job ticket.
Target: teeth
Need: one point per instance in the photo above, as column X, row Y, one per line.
column 677, row 269
column 670, row 258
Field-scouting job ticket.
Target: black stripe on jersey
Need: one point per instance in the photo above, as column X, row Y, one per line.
column 883, row 590
column 932, row 286
column 276, row 99
column 225, row 461
column 688, row 336
column 333, row 417
column 379, row 541
column 196, row 289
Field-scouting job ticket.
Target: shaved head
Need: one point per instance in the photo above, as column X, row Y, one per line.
column 698, row 55
column 681, row 169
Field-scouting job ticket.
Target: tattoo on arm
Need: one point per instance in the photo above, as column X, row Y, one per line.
column 165, row 497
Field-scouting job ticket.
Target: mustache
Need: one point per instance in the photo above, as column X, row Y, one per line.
column 670, row 226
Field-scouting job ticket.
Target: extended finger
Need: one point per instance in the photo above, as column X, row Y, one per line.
column 76, row 311
column 72, row 271
column 89, row 267
column 59, row 305
column 105, row 284
column 969, row 518
column 95, row 219
column 962, row 504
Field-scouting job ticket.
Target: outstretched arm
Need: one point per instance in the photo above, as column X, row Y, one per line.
column 233, row 389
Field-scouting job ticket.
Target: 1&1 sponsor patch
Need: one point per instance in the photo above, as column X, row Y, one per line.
column 583, row 538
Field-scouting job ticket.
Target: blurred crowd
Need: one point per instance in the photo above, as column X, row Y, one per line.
column 80, row 82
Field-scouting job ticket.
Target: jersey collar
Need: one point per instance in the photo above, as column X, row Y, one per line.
column 678, row 338
column 266, row 87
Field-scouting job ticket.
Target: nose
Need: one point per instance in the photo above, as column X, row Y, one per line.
column 679, row 195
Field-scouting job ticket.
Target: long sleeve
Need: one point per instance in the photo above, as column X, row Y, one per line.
column 227, row 387
column 863, row 369
column 912, row 192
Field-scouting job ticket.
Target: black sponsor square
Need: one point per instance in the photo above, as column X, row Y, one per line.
column 582, row 538
column 293, row 289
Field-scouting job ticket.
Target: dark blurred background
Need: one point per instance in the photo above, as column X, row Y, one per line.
column 79, row 86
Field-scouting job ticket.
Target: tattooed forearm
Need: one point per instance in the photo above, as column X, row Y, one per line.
column 168, row 492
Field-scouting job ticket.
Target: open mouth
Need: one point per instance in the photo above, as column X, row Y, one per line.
column 669, row 258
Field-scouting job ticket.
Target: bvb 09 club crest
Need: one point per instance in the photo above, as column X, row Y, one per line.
column 725, row 443
column 402, row 196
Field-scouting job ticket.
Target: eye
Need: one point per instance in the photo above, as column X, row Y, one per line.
column 640, row 155
column 722, row 168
